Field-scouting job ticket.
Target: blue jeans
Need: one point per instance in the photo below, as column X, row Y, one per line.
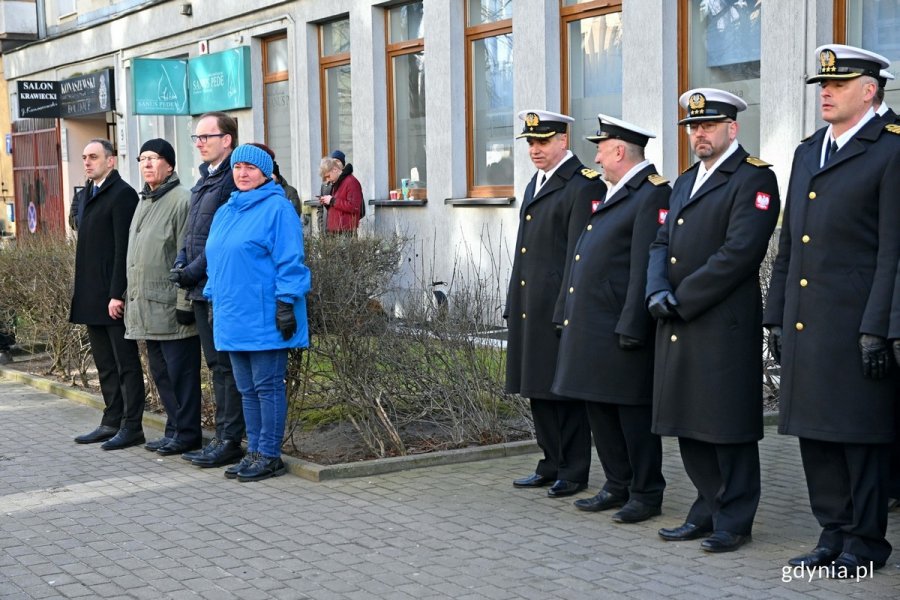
column 260, row 378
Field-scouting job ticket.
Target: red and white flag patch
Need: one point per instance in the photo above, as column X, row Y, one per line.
column 762, row 201
column 661, row 218
column 595, row 204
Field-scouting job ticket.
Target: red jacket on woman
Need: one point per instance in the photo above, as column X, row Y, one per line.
column 346, row 205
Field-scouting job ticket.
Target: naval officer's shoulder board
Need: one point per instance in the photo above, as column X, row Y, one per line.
column 590, row 173
column 657, row 180
column 757, row 162
column 893, row 128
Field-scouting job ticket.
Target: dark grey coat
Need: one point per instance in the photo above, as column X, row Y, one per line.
column 708, row 369
column 548, row 229
column 605, row 298
column 850, row 211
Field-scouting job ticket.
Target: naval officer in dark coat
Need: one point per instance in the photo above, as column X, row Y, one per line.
column 831, row 295
column 555, row 209
column 606, row 348
column 703, row 285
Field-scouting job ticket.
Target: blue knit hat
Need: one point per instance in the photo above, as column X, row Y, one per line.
column 259, row 158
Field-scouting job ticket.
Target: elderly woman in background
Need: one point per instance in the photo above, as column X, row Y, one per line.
column 257, row 285
column 345, row 202
column 155, row 310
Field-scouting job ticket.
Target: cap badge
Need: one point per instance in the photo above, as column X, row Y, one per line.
column 827, row 60
column 532, row 120
column 697, row 103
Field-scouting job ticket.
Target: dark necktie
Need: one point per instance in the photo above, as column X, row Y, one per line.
column 830, row 151
column 94, row 190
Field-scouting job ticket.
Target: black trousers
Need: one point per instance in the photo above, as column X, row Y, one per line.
column 175, row 367
column 630, row 454
column 893, row 481
column 121, row 376
column 848, row 496
column 562, row 432
column 229, row 405
column 728, row 484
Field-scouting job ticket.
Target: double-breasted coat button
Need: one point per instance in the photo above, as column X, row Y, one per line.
column 805, row 239
column 798, row 326
column 589, row 227
column 812, row 195
column 674, row 338
column 523, row 250
column 523, row 315
column 673, row 260
column 571, row 290
column 566, row 323
column 527, row 217
column 577, row 257
column 803, row 283
column 680, row 221
column 523, row 283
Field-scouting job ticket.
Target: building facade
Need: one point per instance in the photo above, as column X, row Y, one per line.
column 422, row 96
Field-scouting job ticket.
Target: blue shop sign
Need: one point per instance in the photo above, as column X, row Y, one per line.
column 160, row 86
column 220, row 81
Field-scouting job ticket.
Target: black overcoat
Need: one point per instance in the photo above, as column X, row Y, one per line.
column 707, row 381
column 100, row 251
column 833, row 280
column 605, row 298
column 549, row 225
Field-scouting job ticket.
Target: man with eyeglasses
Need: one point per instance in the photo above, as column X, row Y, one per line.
column 215, row 137
column 703, row 286
column 829, row 309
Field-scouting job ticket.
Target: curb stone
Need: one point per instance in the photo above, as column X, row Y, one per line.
column 299, row 467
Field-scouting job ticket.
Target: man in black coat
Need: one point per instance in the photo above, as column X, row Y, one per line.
column 555, row 209
column 703, row 286
column 831, row 293
column 606, row 347
column 98, row 300
column 215, row 137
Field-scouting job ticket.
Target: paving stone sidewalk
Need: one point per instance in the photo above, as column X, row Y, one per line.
column 78, row 522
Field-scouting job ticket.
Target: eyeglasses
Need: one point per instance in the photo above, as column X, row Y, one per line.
column 204, row 138
column 148, row 159
column 704, row 126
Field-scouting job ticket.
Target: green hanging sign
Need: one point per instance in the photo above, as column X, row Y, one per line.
column 160, row 86
column 220, row 81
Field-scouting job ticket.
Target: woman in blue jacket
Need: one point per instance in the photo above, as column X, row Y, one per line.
column 257, row 285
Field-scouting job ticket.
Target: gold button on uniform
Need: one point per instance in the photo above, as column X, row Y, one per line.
column 523, row 315
column 589, row 227
column 527, row 217
column 674, row 338
column 523, row 250
column 803, row 283
column 812, row 195
column 523, row 283
column 577, row 257
column 571, row 290
column 805, row 239
column 673, row 260
column 680, row 221
column 566, row 323
column 799, row 326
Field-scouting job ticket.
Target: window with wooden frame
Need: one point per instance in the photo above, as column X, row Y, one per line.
column 719, row 47
column 276, row 93
column 334, row 87
column 489, row 98
column 591, row 66
column 875, row 26
column 406, row 99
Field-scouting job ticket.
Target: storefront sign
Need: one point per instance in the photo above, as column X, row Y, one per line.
column 160, row 86
column 38, row 99
column 87, row 94
column 220, row 81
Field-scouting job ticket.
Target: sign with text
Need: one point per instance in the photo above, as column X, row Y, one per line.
column 160, row 86
column 38, row 99
column 87, row 94
column 220, row 81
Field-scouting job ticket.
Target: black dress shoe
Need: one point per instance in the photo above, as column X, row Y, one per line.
column 724, row 541
column 818, row 557
column 562, row 488
column 533, row 481
column 249, row 458
column 635, row 512
column 195, row 454
column 262, row 468
column 685, row 532
column 602, row 501
column 225, row 453
column 156, row 444
column 846, row 566
column 176, row 446
column 101, row 434
column 124, row 439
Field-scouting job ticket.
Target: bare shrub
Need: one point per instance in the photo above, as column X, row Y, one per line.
column 771, row 370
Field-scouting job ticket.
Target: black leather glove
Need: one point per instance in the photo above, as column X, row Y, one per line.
column 775, row 333
column 176, row 276
column 661, row 305
column 558, row 330
column 897, row 351
column 184, row 317
column 629, row 343
column 285, row 319
column 875, row 356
